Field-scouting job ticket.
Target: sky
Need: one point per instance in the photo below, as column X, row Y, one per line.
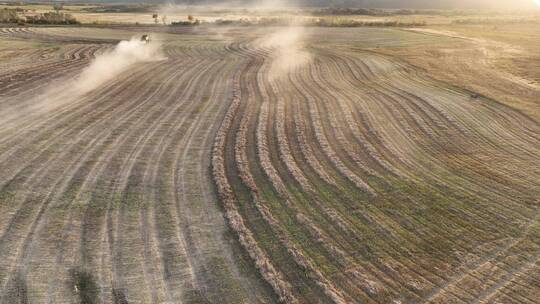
column 410, row 4
column 448, row 4
column 456, row 4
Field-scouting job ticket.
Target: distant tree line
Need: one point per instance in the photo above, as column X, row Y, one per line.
column 348, row 11
column 122, row 8
column 496, row 21
column 191, row 21
column 372, row 12
column 332, row 22
column 320, row 22
column 8, row 15
column 52, row 18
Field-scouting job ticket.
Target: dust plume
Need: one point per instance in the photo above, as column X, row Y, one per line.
column 286, row 43
column 104, row 68
column 289, row 53
column 110, row 64
column 270, row 5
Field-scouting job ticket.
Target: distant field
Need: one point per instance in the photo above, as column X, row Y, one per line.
column 499, row 61
column 268, row 164
column 142, row 14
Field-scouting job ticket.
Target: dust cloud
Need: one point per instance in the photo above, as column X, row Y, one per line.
column 110, row 64
column 104, row 68
column 270, row 5
column 287, row 42
column 287, row 45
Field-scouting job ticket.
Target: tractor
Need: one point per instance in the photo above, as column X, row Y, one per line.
column 145, row 39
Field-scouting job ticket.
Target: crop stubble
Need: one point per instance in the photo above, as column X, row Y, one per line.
column 353, row 177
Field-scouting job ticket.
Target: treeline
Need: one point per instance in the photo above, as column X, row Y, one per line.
column 495, row 21
column 364, row 23
column 14, row 16
column 122, row 8
column 52, row 18
column 8, row 15
column 349, row 11
column 335, row 11
column 186, row 23
column 321, row 22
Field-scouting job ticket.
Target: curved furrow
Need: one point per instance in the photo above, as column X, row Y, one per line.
column 62, row 137
column 483, row 270
column 327, row 200
column 261, row 133
column 231, row 199
column 469, row 180
column 273, row 149
column 122, row 218
column 398, row 255
column 45, row 35
column 60, row 183
column 90, row 250
column 164, row 206
column 369, row 286
column 46, row 151
column 387, row 240
column 470, row 116
column 520, row 287
column 105, row 143
column 328, row 148
column 162, row 222
column 326, row 205
column 123, row 181
column 199, row 234
column 422, row 119
column 33, row 77
column 41, row 120
column 48, row 126
column 354, row 136
column 348, row 177
column 249, row 178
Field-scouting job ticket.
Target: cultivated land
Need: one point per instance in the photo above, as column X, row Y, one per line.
column 253, row 165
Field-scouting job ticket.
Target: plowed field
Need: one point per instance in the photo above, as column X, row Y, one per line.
column 258, row 166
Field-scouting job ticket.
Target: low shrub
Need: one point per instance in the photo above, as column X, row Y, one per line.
column 52, row 18
column 339, row 22
column 315, row 22
column 8, row 15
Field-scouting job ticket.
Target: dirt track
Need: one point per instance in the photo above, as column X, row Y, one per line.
column 349, row 178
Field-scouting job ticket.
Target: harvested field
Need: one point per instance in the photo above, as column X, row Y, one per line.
column 257, row 166
column 110, row 193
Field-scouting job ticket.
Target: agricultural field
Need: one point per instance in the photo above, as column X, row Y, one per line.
column 269, row 164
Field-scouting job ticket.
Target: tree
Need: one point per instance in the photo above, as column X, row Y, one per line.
column 9, row 16
column 58, row 6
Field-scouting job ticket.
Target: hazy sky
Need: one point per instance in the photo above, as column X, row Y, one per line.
column 459, row 3
column 451, row 4
column 455, row 4
column 412, row 4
